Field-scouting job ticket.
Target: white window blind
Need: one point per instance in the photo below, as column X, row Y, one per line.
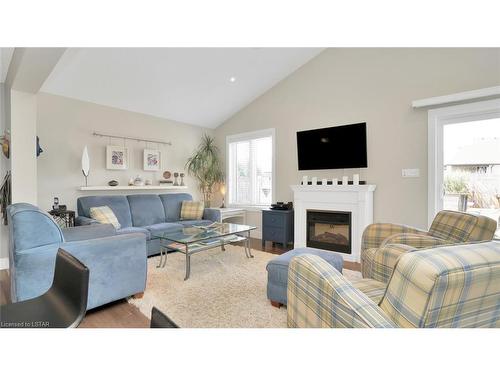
column 250, row 168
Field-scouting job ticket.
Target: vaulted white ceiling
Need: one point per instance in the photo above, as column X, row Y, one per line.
column 189, row 85
column 5, row 57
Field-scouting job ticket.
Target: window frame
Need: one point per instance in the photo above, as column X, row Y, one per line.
column 436, row 120
column 247, row 136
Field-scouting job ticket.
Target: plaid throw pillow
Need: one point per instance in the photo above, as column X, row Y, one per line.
column 192, row 210
column 104, row 215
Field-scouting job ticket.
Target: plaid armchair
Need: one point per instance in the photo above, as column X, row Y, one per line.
column 379, row 253
column 449, row 287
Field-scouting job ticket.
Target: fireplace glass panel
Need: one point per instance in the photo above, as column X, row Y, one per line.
column 329, row 230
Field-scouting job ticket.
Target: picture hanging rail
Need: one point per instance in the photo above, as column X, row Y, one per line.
column 95, row 134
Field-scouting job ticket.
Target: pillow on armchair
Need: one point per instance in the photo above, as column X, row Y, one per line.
column 192, row 210
column 104, row 215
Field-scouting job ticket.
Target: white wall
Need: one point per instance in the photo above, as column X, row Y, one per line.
column 376, row 86
column 4, row 167
column 66, row 125
column 23, row 147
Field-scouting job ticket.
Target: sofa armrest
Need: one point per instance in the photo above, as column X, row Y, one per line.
column 83, row 220
column 375, row 234
column 88, row 232
column 378, row 263
column 117, row 264
column 416, row 240
column 319, row 296
column 211, row 214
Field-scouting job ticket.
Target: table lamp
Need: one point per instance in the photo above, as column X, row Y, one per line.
column 223, row 192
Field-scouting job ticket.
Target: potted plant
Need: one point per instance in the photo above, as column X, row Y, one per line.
column 205, row 166
column 456, row 185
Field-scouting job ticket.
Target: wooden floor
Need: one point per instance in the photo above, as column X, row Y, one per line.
column 121, row 314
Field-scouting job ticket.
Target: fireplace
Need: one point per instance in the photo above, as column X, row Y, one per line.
column 329, row 230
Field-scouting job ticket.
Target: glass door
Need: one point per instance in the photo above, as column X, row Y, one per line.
column 471, row 167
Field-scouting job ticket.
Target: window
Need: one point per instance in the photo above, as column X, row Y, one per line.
column 250, row 168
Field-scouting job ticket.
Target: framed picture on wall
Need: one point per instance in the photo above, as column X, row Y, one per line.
column 116, row 157
column 152, row 160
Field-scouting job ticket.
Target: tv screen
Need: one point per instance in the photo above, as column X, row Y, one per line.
column 333, row 148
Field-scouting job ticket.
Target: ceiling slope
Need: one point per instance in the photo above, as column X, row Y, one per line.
column 198, row 86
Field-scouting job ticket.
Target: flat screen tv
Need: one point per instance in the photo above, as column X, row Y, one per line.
column 333, row 148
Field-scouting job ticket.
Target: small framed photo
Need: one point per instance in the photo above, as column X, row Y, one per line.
column 152, row 160
column 116, row 157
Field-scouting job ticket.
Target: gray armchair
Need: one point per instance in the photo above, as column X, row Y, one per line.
column 117, row 263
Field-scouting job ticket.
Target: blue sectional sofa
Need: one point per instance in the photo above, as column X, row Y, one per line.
column 117, row 262
column 144, row 213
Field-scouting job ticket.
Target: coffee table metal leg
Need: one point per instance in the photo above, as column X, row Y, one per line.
column 161, row 257
column 248, row 245
column 246, row 248
column 188, row 264
column 165, row 259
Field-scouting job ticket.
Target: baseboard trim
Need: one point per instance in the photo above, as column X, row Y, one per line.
column 4, row 263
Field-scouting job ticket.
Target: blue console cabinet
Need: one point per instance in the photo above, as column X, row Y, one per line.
column 277, row 226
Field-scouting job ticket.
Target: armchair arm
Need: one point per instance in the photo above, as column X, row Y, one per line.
column 88, row 232
column 319, row 296
column 375, row 234
column 117, row 267
column 83, row 220
column 416, row 240
column 211, row 214
column 379, row 263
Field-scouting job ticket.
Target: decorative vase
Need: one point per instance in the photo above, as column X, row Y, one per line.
column 138, row 181
column 176, row 176
column 85, row 164
column 182, row 179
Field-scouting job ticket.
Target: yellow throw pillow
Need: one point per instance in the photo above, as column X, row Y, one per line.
column 192, row 210
column 104, row 215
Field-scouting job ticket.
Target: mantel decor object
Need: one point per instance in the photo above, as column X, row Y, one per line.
column 85, row 164
column 355, row 179
column 138, row 181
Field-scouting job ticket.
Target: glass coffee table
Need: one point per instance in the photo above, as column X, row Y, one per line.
column 194, row 239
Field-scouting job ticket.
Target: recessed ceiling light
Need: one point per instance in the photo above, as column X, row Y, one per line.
column 232, row 79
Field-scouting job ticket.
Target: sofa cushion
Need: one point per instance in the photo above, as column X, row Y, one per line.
column 104, row 215
column 172, row 205
column 192, row 210
column 118, row 203
column 146, row 209
column 163, row 227
column 129, row 230
column 188, row 223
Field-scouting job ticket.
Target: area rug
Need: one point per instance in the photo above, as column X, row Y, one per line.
column 225, row 290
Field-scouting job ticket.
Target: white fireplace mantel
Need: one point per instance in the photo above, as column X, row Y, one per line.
column 356, row 199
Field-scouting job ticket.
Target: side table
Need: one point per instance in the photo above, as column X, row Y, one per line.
column 228, row 213
column 277, row 226
column 64, row 219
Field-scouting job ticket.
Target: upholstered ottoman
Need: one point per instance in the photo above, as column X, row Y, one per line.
column 277, row 271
